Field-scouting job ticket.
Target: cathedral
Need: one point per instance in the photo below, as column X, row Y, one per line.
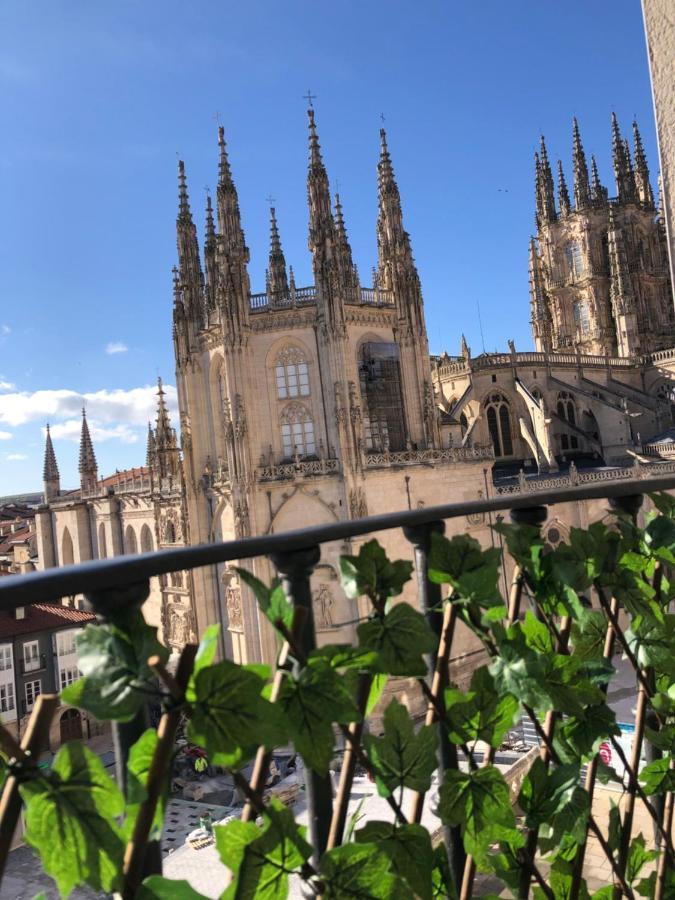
column 303, row 405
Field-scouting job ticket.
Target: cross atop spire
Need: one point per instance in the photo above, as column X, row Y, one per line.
column 309, row 96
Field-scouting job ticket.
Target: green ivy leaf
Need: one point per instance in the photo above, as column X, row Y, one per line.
column 442, row 884
column 400, row 638
column 114, row 663
column 579, row 737
column 271, row 600
column 481, row 714
column 362, row 872
column 70, row 821
column 588, row 638
column 653, row 642
column 479, row 802
column 638, row 857
column 402, row 758
column 345, row 656
column 567, row 827
column 261, row 859
column 373, row 575
column 658, row 777
column 408, row 847
column 230, row 716
column 311, row 703
column 377, row 686
column 462, row 563
column 155, row 887
column 138, row 767
column 544, row 793
column 536, row 634
column 664, row 503
column 206, row 653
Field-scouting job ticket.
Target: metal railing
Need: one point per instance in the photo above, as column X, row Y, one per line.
column 111, row 585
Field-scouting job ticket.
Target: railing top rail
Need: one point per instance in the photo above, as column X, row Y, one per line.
column 84, row 578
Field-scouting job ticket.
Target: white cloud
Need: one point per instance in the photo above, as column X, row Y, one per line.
column 6, row 435
column 116, row 347
column 71, row 429
column 16, row 456
column 5, row 329
column 7, row 385
column 133, row 407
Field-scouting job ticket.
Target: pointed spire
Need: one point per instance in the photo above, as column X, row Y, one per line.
column 291, row 279
column 464, row 349
column 598, row 191
column 165, row 445
column 546, row 185
column 210, row 227
column 391, row 232
column 189, row 264
column 278, row 280
column 339, row 219
column 87, row 467
column 582, row 192
column 318, row 191
column 150, row 449
column 642, row 183
column 538, row 212
column 563, row 193
column 229, row 216
column 540, row 314
column 210, row 263
column 50, row 473
column 625, row 184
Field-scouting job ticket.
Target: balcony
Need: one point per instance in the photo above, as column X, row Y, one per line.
column 117, row 587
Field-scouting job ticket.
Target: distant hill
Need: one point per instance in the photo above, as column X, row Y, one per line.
column 28, row 499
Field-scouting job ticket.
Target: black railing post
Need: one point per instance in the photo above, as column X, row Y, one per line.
column 114, row 605
column 431, row 605
column 294, row 568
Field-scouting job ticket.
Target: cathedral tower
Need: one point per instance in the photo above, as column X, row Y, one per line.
column 599, row 280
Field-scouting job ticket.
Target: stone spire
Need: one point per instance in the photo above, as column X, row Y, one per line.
column 151, row 448
column 321, row 225
column 642, row 184
column 625, row 183
column 50, row 473
column 598, row 191
column 210, row 263
column 229, row 216
column 189, row 265
column 278, row 279
column 396, row 264
column 540, row 315
column 88, row 468
column 582, row 192
column 563, row 194
column 538, row 218
column 166, row 453
column 343, row 254
column 546, row 190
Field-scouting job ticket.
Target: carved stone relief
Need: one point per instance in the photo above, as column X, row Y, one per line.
column 323, row 602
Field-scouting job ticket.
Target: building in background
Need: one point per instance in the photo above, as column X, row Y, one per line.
column 304, row 405
column 38, row 656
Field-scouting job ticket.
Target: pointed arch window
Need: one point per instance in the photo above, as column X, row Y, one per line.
column 575, row 259
column 130, row 542
column 297, row 431
column 567, row 410
column 292, row 374
column 499, row 424
column 582, row 316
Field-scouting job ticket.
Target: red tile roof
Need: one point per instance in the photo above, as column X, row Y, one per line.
column 42, row 617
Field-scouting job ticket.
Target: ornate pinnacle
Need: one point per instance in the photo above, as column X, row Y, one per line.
column 642, row 183
column 150, row 452
column 623, row 169
column 563, row 193
column 210, row 227
column 51, row 470
column 224, row 172
column 277, row 278
column 87, row 465
column 598, row 192
column 582, row 192
column 184, row 214
column 546, row 185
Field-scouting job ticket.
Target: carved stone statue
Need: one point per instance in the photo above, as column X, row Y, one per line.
column 323, row 601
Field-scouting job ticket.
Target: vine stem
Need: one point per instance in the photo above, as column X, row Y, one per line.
column 349, row 758
column 660, row 889
column 134, row 856
column 433, row 694
column 35, row 736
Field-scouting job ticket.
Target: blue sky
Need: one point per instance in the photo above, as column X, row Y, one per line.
column 97, row 100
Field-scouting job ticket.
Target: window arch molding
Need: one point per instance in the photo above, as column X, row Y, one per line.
column 130, row 541
column 297, row 431
column 498, row 413
column 67, row 553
